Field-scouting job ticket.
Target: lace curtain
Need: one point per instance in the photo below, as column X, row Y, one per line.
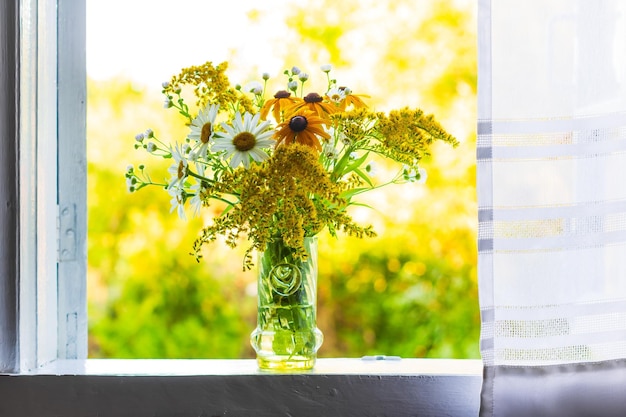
column 551, row 162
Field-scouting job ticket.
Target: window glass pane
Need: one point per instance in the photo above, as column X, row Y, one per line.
column 410, row 291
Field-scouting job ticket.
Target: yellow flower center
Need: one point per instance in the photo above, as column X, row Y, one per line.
column 205, row 134
column 181, row 170
column 244, row 141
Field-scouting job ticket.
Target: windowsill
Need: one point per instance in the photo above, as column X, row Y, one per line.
column 191, row 367
column 336, row 387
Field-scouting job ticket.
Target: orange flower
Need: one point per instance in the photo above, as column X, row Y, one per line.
column 304, row 127
column 352, row 99
column 316, row 103
column 281, row 101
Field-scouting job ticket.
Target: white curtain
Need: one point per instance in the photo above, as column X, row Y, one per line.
column 552, row 206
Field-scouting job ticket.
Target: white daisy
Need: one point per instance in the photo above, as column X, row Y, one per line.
column 177, row 201
column 422, row 175
column 372, row 168
column 254, row 87
column 196, row 201
column 202, row 129
column 244, row 140
column 330, row 152
column 130, row 184
column 411, row 175
column 178, row 170
column 336, row 95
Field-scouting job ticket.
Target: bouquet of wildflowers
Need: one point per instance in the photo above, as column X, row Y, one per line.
column 286, row 167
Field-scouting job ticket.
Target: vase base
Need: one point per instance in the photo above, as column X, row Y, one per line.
column 286, row 363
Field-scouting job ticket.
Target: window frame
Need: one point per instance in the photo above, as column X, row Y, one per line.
column 43, row 253
column 45, row 314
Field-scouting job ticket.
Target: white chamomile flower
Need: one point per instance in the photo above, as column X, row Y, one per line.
column 410, row 174
column 422, row 175
column 330, row 152
column 196, row 201
column 244, row 140
column 151, row 147
column 178, row 170
column 326, row 67
column 303, row 76
column 196, row 189
column 177, row 201
column 371, row 168
column 202, row 129
column 336, row 95
column 130, row 184
column 254, row 87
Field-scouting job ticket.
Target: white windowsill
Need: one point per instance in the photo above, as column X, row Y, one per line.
column 189, row 367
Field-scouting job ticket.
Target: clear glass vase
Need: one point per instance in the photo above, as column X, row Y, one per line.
column 287, row 337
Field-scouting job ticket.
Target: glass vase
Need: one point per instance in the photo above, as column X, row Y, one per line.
column 287, row 337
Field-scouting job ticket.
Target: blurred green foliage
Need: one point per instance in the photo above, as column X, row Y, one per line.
column 411, row 291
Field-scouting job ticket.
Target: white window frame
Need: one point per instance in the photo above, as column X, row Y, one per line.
column 43, row 313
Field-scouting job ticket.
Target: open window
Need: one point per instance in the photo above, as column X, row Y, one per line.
column 43, row 317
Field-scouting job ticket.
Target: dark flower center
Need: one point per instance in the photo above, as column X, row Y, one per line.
column 313, row 98
column 205, row 134
column 298, row 123
column 181, row 170
column 282, row 94
column 244, row 141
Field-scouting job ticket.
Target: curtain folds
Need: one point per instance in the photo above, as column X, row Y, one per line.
column 551, row 166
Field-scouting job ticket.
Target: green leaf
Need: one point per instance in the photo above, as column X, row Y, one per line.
column 356, row 163
column 348, row 194
column 364, row 176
